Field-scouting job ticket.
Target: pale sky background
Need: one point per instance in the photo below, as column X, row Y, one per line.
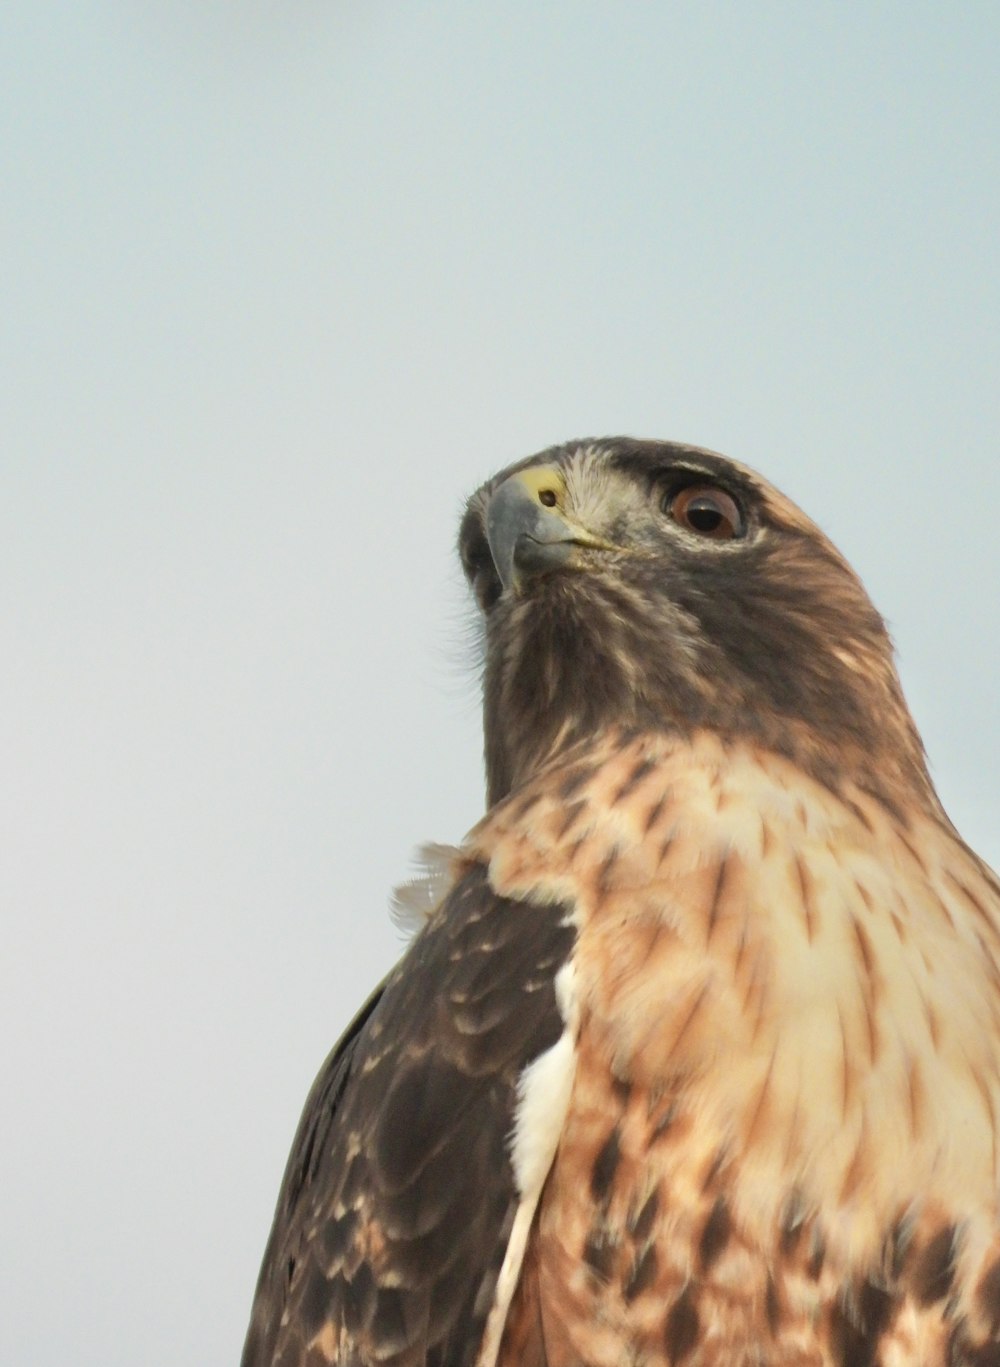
column 281, row 285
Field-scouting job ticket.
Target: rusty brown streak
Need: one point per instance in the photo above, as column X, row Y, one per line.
column 805, row 891
column 716, row 901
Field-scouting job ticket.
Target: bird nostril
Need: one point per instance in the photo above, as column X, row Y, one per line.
column 548, row 497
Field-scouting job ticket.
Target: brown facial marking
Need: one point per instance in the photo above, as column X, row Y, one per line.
column 900, row 1247
column 714, row 1170
column 643, row 1222
column 984, row 1355
column 864, row 894
column 575, row 849
column 917, row 856
column 664, row 849
column 717, row 894
column 688, row 1020
column 570, row 814
column 604, row 873
column 846, row 1071
column 871, row 1028
column 772, row 1306
column 857, row 1324
column 933, row 1267
column 622, row 1089
column 574, row 781
column 975, row 902
column 805, row 892
column 605, row 1166
column 682, row 1327
column 598, row 1254
column 760, row 1107
column 989, row 1297
column 715, row 1234
column 859, row 812
column 917, row 1094
column 817, row 1257
column 653, row 815
column 526, row 804
column 652, row 934
column 741, row 950
column 664, row 1120
column 642, row 1275
column 632, row 781
column 857, row 1167
column 766, row 839
column 864, row 944
column 792, row 1228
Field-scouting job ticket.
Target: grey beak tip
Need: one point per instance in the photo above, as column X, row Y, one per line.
column 525, row 537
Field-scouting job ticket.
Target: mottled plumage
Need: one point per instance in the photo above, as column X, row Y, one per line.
column 696, row 1057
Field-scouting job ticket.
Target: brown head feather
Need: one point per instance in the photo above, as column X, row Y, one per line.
column 769, row 636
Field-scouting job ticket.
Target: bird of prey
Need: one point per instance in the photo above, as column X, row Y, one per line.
column 695, row 1058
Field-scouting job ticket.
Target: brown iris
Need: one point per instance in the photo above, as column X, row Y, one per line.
column 707, row 511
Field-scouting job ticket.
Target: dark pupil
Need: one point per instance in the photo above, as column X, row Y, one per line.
column 704, row 516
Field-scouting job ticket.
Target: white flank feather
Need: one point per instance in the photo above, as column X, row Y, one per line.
column 543, row 1090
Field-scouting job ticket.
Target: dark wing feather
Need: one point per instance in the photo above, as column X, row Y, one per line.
column 398, row 1196
column 310, row 1137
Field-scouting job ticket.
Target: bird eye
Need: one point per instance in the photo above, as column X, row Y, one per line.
column 707, row 511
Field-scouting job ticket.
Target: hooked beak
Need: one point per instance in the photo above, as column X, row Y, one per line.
column 528, row 531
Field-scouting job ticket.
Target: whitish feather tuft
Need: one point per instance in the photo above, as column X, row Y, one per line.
column 415, row 900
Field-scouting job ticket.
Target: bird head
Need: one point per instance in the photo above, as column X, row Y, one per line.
column 645, row 585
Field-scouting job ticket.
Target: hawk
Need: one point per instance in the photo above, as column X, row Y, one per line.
column 695, row 1058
